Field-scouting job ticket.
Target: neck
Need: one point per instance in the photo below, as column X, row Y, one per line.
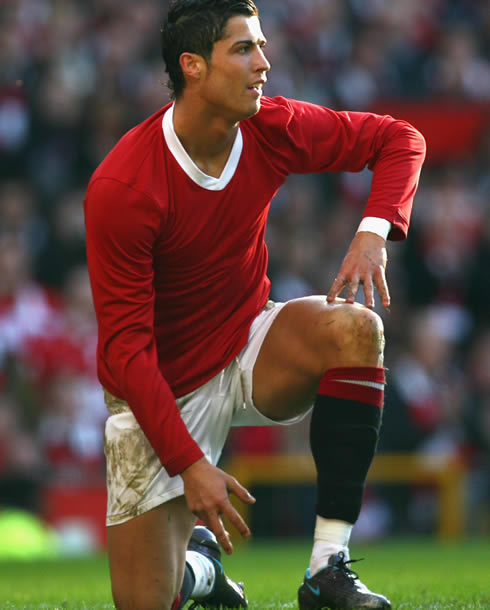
column 207, row 139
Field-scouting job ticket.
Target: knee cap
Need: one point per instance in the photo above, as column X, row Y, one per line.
column 357, row 326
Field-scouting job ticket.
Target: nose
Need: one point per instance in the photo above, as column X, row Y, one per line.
column 263, row 64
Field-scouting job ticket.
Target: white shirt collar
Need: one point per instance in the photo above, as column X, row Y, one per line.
column 187, row 164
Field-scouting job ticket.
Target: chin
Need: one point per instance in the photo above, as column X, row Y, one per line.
column 254, row 109
column 246, row 111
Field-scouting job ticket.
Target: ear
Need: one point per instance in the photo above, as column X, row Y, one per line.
column 192, row 65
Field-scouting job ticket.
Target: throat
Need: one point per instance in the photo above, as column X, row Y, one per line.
column 213, row 167
column 213, row 163
column 210, row 156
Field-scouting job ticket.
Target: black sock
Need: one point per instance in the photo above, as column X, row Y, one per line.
column 343, row 436
column 187, row 585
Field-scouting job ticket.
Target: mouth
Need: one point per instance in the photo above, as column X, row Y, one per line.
column 257, row 87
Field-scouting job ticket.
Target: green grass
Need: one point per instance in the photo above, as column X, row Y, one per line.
column 419, row 575
column 55, row 583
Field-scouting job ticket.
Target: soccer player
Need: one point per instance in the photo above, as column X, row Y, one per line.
column 189, row 343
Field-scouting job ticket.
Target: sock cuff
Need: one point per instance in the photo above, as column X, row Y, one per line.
column 344, row 382
column 332, row 531
column 375, row 374
column 203, row 569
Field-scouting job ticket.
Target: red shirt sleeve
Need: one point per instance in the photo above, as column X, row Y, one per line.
column 392, row 149
column 122, row 225
column 318, row 139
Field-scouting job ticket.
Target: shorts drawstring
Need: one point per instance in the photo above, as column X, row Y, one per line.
column 221, row 379
column 242, row 383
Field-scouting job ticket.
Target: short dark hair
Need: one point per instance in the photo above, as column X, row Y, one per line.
column 193, row 26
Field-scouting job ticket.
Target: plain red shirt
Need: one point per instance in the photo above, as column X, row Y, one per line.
column 178, row 270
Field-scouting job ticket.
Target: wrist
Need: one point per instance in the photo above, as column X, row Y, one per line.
column 378, row 226
column 194, row 467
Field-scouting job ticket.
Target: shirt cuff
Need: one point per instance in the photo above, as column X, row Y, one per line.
column 379, row 226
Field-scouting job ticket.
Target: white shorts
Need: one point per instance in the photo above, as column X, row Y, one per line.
column 136, row 480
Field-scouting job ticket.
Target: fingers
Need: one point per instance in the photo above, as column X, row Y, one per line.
column 233, row 486
column 369, row 292
column 213, row 520
column 215, row 524
column 382, row 286
column 233, row 515
column 218, row 504
column 352, row 289
column 240, row 492
column 340, row 284
column 237, row 521
column 365, row 264
column 336, row 289
column 352, row 286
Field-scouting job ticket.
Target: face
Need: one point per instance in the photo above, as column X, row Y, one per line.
column 234, row 77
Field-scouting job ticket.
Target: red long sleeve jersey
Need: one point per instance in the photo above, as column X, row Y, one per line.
column 178, row 265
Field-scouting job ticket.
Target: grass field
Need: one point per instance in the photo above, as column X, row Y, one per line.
column 415, row 575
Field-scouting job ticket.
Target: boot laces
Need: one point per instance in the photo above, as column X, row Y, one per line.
column 341, row 565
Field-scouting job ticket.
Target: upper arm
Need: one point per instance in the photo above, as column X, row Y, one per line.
column 328, row 140
column 122, row 226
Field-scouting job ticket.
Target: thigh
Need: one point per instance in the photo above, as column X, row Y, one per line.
column 136, row 480
column 297, row 350
column 147, row 556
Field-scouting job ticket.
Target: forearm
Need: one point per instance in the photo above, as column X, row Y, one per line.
column 396, row 175
column 153, row 404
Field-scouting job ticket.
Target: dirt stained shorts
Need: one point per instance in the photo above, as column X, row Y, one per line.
column 136, row 479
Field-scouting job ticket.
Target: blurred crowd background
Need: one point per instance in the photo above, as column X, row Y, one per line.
column 76, row 74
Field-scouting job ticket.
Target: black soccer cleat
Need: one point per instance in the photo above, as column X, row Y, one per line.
column 225, row 593
column 337, row 587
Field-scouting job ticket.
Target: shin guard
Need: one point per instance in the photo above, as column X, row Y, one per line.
column 344, row 434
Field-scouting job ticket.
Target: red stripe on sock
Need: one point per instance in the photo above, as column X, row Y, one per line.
column 352, row 391
column 177, row 602
column 331, row 384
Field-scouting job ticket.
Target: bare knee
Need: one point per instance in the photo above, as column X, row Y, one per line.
column 150, row 588
column 141, row 581
column 352, row 336
column 130, row 596
column 307, row 338
column 147, row 556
